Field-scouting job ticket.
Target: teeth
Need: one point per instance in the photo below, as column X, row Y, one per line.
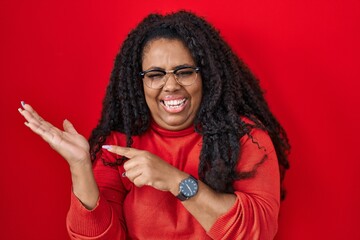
column 174, row 103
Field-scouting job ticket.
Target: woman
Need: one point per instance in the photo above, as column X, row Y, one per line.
column 186, row 147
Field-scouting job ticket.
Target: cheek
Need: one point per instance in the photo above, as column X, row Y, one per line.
column 150, row 97
column 198, row 101
column 197, row 96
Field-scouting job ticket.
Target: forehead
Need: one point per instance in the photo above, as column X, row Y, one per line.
column 164, row 52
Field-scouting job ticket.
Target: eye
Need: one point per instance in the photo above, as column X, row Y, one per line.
column 155, row 75
column 184, row 73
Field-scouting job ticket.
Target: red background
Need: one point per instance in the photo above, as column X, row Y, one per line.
column 57, row 56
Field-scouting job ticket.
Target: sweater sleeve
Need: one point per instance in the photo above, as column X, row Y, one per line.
column 254, row 214
column 105, row 221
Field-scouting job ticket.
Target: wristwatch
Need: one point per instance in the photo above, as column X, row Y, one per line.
column 188, row 188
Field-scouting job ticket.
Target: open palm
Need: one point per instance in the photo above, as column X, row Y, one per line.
column 68, row 143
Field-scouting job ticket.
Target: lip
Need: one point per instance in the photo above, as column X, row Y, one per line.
column 174, row 104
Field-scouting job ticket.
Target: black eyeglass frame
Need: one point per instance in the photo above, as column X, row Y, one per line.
column 197, row 69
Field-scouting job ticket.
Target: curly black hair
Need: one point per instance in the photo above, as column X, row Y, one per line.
column 230, row 90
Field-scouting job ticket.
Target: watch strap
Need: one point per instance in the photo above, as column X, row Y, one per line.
column 181, row 196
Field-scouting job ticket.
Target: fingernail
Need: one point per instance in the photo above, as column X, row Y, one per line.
column 20, row 110
column 22, row 103
column 106, row 147
column 123, row 174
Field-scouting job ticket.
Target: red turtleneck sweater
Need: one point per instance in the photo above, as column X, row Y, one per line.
column 125, row 211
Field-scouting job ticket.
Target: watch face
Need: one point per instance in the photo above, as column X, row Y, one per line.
column 188, row 187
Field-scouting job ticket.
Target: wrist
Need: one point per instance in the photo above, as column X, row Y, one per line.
column 84, row 184
column 81, row 166
column 174, row 189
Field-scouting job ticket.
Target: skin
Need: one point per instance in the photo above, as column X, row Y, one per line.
column 143, row 167
column 167, row 55
column 73, row 147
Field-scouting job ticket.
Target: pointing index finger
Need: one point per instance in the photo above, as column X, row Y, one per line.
column 123, row 151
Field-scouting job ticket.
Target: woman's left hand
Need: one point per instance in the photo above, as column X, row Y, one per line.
column 145, row 168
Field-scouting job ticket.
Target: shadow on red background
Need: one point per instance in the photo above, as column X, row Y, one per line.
column 57, row 56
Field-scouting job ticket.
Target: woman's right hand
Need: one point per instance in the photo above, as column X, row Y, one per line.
column 68, row 143
column 73, row 147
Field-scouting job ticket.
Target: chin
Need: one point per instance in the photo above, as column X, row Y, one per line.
column 175, row 125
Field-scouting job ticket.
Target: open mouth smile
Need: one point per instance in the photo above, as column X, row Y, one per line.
column 174, row 105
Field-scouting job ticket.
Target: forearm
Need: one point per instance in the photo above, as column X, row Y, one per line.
column 105, row 219
column 207, row 206
column 84, row 184
column 224, row 216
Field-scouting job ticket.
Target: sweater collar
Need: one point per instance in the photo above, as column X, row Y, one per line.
column 165, row 132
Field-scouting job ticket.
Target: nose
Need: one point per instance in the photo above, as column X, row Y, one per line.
column 171, row 84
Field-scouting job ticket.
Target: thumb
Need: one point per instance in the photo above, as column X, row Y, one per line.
column 68, row 127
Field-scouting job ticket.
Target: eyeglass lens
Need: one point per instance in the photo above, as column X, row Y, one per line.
column 157, row 78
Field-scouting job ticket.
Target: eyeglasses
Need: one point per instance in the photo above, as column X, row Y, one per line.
column 156, row 78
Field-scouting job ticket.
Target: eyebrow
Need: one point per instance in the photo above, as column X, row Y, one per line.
column 175, row 68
